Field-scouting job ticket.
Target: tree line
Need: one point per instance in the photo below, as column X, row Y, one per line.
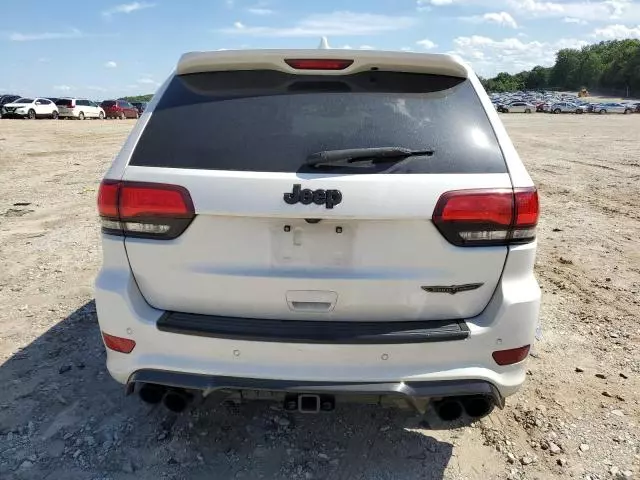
column 610, row 65
column 139, row 98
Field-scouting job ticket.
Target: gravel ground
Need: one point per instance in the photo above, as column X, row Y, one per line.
column 62, row 417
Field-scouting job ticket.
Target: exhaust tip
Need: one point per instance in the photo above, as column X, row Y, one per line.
column 176, row 401
column 449, row 409
column 151, row 393
column 477, row 406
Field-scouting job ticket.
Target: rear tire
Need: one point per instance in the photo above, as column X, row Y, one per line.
column 32, row 114
column 101, row 116
column 81, row 116
column 122, row 116
column 602, row 112
column 557, row 111
column 627, row 112
column 528, row 110
column 54, row 116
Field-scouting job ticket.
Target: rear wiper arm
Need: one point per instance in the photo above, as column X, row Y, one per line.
column 373, row 155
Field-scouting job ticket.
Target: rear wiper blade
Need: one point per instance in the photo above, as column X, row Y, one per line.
column 373, row 155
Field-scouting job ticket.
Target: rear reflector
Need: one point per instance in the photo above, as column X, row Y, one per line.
column 118, row 344
column 148, row 210
column 487, row 217
column 318, row 64
column 509, row 357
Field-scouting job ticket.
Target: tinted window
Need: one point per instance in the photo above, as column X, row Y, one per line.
column 44, row 101
column 23, row 100
column 64, row 102
column 108, row 103
column 271, row 122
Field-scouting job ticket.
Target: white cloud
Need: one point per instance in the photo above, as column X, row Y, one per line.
column 127, row 8
column 260, row 11
column 30, row 37
column 62, row 88
column 148, row 81
column 577, row 21
column 536, row 6
column 426, row 44
column 612, row 32
column 336, row 23
column 501, row 18
column 406, row 49
column 437, row 3
column 110, row 64
column 489, row 56
column 587, row 10
column 366, row 47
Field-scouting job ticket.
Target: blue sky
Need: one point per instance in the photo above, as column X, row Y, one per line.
column 106, row 48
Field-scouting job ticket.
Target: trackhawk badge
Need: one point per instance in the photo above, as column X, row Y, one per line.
column 453, row 289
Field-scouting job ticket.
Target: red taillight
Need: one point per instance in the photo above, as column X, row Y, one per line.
column 108, row 198
column 511, row 356
column 152, row 199
column 118, row 344
column 139, row 209
column 487, row 217
column 318, row 63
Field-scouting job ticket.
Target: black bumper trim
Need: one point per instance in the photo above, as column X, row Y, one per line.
column 426, row 389
column 310, row 331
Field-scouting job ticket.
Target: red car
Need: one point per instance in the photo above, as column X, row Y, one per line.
column 120, row 109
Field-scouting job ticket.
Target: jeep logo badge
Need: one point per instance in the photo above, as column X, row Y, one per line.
column 330, row 198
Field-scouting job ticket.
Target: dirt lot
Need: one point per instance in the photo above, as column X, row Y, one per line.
column 62, row 417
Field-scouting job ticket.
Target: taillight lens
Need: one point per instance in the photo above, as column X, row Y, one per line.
column 147, row 210
column 487, row 217
column 318, row 63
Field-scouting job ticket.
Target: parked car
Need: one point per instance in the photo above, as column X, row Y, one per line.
column 31, row 108
column 613, row 107
column 79, row 108
column 518, row 107
column 567, row 107
column 140, row 106
column 240, row 252
column 6, row 98
column 120, row 109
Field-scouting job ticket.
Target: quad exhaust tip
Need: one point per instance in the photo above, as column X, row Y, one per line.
column 174, row 399
column 450, row 409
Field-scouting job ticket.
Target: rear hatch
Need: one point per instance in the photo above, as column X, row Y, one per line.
column 275, row 237
column 65, row 106
column 109, row 106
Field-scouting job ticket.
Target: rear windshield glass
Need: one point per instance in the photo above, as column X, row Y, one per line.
column 270, row 121
column 108, row 103
column 64, row 101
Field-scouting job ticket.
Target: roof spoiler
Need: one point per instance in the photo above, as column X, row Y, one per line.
column 363, row 60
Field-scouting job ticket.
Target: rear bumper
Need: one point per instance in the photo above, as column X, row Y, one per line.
column 508, row 321
column 405, row 390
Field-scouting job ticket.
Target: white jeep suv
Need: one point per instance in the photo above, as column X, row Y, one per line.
column 304, row 225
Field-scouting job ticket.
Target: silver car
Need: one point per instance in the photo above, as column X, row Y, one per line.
column 567, row 107
column 517, row 107
column 613, row 108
